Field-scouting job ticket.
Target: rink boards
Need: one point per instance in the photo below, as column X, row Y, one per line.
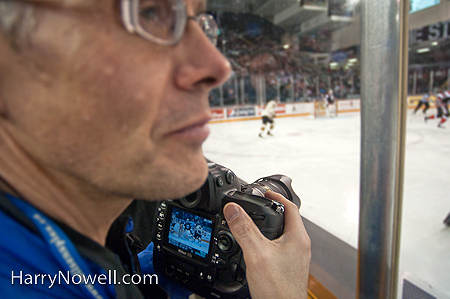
column 252, row 112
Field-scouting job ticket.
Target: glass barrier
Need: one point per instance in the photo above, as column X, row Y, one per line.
column 425, row 238
column 294, row 52
column 300, row 53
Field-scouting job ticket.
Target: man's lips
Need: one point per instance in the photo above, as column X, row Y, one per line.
column 197, row 131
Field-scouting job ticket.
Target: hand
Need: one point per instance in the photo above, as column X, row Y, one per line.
column 275, row 268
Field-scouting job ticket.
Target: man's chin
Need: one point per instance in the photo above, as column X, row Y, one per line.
column 192, row 181
column 180, row 178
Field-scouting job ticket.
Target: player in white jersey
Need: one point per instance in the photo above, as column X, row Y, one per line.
column 267, row 117
column 329, row 101
column 442, row 99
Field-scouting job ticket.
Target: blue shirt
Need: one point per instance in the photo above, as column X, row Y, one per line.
column 29, row 268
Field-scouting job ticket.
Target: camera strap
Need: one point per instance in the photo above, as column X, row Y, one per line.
column 63, row 249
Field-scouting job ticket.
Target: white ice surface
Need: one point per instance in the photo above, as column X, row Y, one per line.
column 322, row 157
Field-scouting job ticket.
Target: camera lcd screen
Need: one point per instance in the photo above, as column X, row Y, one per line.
column 190, row 232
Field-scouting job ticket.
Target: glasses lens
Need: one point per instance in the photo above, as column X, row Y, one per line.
column 162, row 18
column 209, row 26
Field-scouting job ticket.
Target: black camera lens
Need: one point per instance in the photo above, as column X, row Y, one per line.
column 277, row 183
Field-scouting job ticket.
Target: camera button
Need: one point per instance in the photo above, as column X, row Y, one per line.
column 225, row 242
column 208, row 276
column 161, row 215
column 160, row 225
column 229, row 176
column 277, row 207
column 221, row 263
column 159, row 236
column 219, row 182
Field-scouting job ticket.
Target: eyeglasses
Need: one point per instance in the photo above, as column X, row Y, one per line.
column 163, row 21
column 160, row 21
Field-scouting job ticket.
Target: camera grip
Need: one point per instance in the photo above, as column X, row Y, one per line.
column 266, row 214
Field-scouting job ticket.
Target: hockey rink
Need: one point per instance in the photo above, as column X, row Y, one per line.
column 322, row 157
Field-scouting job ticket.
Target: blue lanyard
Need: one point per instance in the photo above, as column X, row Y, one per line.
column 62, row 248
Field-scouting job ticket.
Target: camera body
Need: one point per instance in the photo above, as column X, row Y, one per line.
column 193, row 245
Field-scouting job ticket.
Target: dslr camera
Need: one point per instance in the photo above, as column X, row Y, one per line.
column 193, row 245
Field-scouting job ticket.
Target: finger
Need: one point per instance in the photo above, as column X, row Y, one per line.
column 244, row 230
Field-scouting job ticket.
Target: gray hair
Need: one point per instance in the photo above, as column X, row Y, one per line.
column 16, row 21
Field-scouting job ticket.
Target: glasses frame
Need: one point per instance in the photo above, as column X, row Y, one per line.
column 130, row 19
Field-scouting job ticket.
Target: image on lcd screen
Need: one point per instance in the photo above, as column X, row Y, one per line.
column 190, row 232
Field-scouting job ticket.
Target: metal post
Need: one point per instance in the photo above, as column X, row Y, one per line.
column 242, row 86
column 261, row 90
column 317, row 86
column 258, row 91
column 329, row 82
column 264, row 93
column 431, row 80
column 415, row 83
column 221, row 95
column 384, row 50
column 353, row 84
column 236, row 91
column 278, row 89
column 305, row 90
column 291, row 78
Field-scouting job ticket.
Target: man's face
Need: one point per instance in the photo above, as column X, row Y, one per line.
column 96, row 105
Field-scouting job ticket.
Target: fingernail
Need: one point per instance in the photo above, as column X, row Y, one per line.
column 231, row 212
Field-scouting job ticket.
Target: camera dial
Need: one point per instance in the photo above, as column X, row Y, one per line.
column 225, row 241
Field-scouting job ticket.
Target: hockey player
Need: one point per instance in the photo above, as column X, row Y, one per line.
column 442, row 99
column 447, row 220
column 425, row 101
column 267, row 116
column 329, row 100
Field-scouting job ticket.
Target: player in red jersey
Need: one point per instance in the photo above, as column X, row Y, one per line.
column 442, row 99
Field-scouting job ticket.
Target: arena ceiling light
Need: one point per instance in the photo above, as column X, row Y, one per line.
column 423, row 50
column 334, row 65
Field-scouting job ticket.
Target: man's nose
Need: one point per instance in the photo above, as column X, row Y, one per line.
column 203, row 66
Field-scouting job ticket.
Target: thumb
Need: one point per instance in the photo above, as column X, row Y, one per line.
column 244, row 230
